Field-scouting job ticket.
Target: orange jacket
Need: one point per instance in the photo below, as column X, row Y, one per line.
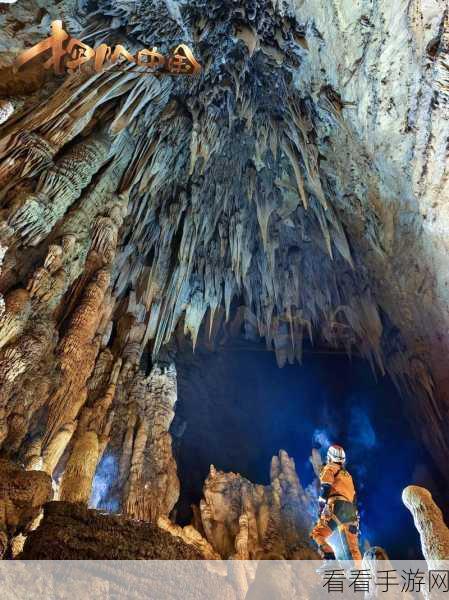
column 340, row 481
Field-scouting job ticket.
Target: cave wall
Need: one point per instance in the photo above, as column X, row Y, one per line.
column 383, row 140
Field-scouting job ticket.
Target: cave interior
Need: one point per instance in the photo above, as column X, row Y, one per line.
column 215, row 265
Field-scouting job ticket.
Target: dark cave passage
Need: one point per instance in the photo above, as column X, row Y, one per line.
column 236, row 409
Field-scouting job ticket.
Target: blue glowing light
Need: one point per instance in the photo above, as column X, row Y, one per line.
column 104, row 479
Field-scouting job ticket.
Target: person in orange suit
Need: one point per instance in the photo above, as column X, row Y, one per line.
column 338, row 510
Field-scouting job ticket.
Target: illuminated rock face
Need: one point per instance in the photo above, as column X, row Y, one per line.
column 294, row 187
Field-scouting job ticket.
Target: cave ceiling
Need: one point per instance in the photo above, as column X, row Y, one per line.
column 270, row 186
column 228, row 205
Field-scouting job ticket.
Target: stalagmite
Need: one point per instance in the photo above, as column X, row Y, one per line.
column 190, row 536
column 77, row 352
column 55, row 449
column 374, row 560
column 27, row 356
column 152, row 488
column 33, row 457
column 293, row 498
column 77, row 479
column 429, row 522
column 244, row 520
column 127, row 448
column 90, row 439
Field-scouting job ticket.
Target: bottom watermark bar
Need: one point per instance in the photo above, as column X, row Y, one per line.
column 222, row 580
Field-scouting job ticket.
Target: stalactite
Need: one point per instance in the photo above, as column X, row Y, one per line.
column 48, row 283
column 174, row 142
column 26, row 156
column 57, row 189
column 163, row 317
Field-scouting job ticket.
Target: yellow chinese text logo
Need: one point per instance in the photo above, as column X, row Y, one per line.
column 69, row 53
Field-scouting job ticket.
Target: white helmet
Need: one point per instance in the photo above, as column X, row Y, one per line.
column 336, row 454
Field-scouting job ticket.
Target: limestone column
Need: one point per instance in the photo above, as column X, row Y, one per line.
column 152, row 487
column 91, row 437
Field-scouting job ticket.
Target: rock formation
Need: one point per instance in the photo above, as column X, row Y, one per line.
column 92, row 435
column 428, row 519
column 152, row 488
column 22, row 495
column 247, row 521
column 190, row 536
column 71, row 531
column 374, row 560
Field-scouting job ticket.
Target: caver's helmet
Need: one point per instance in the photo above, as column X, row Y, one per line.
column 336, row 454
